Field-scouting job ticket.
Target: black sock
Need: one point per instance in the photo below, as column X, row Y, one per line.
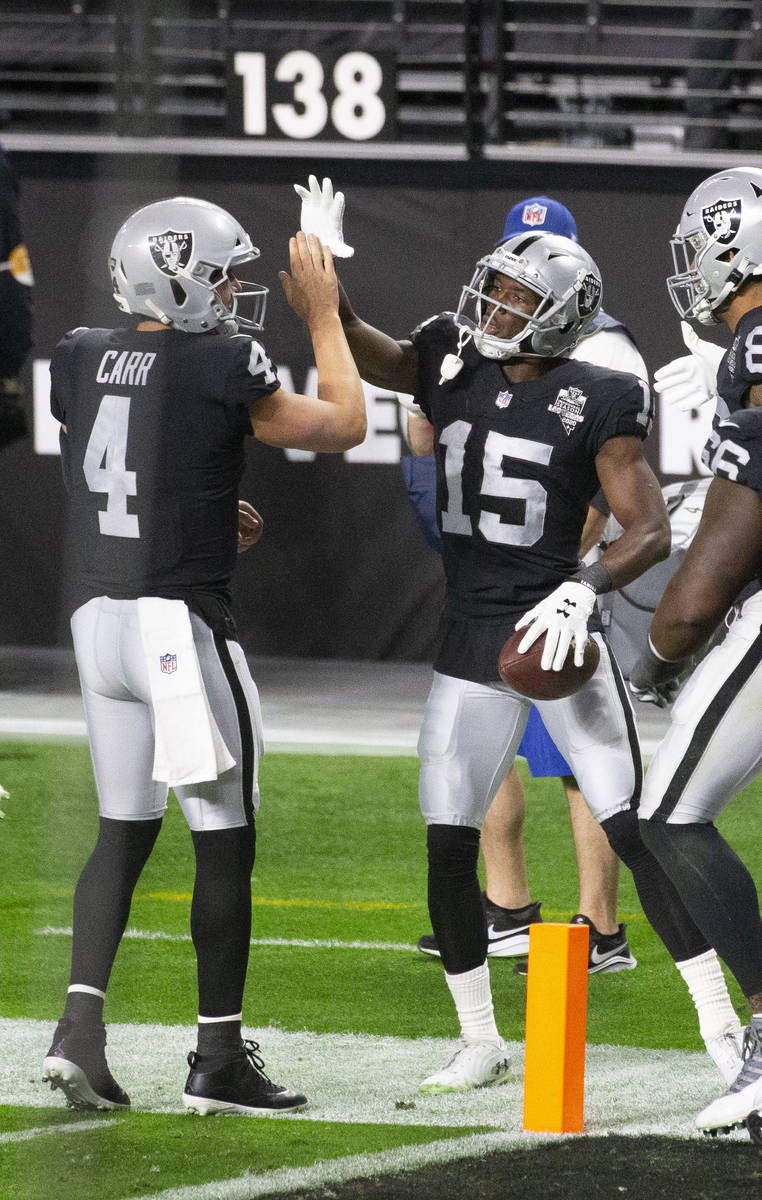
column 718, row 891
column 221, row 917
column 219, row 1039
column 102, row 901
column 455, row 900
column 84, row 1008
column 658, row 896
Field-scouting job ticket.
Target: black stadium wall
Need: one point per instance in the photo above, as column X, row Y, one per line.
column 342, row 570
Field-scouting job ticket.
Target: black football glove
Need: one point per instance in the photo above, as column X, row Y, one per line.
column 654, row 681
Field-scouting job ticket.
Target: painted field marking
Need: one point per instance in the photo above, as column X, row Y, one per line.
column 27, row 1135
column 273, row 901
column 305, row 943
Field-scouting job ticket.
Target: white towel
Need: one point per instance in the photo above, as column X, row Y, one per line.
column 189, row 747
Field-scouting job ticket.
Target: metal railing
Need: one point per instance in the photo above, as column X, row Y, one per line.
column 475, row 76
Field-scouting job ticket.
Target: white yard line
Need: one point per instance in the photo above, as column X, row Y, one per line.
column 338, row 1170
column 357, row 1078
column 352, row 1077
column 304, row 943
column 28, row 1135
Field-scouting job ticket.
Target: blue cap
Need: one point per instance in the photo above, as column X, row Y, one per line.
column 539, row 212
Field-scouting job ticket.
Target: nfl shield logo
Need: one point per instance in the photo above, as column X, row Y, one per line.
column 503, row 399
column 171, row 250
column 534, row 214
column 168, row 663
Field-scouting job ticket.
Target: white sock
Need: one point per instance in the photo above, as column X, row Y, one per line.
column 709, row 992
column 472, row 994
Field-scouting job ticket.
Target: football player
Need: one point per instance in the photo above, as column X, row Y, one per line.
column 508, row 905
column 713, row 746
column 154, row 419
column 523, row 437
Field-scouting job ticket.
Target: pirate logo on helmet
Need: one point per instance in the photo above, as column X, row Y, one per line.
column 589, row 295
column 171, row 251
column 722, row 219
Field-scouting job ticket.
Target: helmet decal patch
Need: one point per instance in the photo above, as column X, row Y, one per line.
column 569, row 404
column 722, row 219
column 589, row 295
column 171, row 251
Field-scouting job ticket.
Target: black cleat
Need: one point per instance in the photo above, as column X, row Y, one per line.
column 236, row 1086
column 76, row 1063
column 507, row 930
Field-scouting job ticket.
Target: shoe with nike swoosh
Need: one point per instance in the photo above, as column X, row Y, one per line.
column 606, row 953
column 507, row 930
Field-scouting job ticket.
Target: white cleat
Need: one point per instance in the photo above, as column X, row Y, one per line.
column 475, row 1065
column 743, row 1096
column 726, row 1052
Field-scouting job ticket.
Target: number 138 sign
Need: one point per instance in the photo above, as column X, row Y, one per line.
column 297, row 94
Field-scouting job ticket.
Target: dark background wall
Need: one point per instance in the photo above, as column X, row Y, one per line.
column 342, row 569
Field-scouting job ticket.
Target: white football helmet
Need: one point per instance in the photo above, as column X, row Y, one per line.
column 718, row 243
column 568, row 286
column 168, row 259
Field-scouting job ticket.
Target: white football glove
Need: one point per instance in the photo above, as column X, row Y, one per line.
column 563, row 617
column 690, row 381
column 405, row 400
column 323, row 214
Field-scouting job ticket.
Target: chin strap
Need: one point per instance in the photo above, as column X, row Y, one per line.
column 452, row 363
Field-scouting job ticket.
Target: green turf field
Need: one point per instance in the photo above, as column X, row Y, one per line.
column 339, row 902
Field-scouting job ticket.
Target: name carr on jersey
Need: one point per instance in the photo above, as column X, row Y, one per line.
column 129, row 368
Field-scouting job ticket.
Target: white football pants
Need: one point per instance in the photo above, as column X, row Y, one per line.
column 471, row 732
column 713, row 747
column 117, row 700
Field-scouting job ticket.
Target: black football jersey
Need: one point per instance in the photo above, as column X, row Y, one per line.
column 515, row 476
column 153, row 455
column 741, row 366
column 737, row 454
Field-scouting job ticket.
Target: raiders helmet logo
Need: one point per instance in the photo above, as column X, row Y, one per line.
column 171, row 251
column 721, row 219
column 589, row 295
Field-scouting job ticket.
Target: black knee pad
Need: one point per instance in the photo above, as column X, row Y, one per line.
column 623, row 833
column 452, row 848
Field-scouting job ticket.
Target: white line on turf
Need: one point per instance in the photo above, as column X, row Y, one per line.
column 352, row 1077
column 356, row 1078
column 306, row 943
column 283, row 1180
column 27, row 1135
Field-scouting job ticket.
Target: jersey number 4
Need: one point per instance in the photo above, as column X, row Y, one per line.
column 105, row 467
column 495, row 483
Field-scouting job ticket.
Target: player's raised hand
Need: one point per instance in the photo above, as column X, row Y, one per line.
column 323, row 214
column 312, row 288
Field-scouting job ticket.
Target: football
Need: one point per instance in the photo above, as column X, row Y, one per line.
column 524, row 673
